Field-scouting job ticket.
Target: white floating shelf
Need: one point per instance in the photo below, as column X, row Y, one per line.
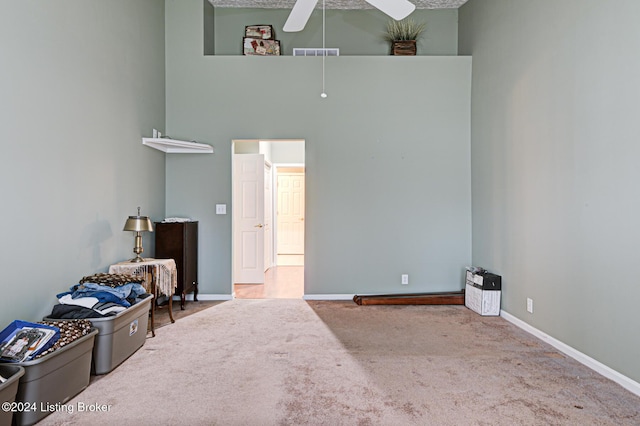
column 173, row 146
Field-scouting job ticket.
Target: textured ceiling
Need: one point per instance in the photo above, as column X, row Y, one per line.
column 333, row 4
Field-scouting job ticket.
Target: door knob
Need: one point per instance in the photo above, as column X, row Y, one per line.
column 259, row 225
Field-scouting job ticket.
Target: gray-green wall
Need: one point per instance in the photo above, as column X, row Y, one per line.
column 387, row 158
column 354, row 32
column 556, row 200
column 80, row 82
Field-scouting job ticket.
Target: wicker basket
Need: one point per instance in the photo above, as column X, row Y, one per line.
column 403, row 48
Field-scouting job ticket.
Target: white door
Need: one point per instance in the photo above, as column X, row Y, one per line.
column 248, row 216
column 290, row 213
column 268, row 217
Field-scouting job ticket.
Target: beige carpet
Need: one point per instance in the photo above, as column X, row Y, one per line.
column 190, row 307
column 290, row 362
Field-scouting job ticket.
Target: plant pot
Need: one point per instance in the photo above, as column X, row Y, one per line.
column 403, row 48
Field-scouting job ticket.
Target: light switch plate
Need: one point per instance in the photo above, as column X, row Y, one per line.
column 221, row 209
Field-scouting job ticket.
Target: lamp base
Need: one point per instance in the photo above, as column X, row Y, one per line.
column 137, row 248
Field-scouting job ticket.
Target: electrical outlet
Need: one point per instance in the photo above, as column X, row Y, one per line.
column 155, row 133
column 404, row 279
column 529, row 305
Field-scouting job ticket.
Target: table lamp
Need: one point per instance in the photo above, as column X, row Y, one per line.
column 138, row 224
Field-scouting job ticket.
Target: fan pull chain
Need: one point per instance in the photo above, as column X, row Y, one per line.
column 324, row 51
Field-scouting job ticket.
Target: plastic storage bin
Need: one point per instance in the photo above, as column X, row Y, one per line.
column 54, row 379
column 9, row 389
column 119, row 336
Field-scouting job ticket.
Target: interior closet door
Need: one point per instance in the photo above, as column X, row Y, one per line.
column 290, row 213
column 248, row 215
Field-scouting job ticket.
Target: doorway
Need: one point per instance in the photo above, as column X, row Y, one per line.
column 268, row 199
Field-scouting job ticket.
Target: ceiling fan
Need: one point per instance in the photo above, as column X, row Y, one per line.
column 302, row 9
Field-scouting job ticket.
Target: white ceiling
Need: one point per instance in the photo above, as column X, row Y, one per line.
column 333, row 4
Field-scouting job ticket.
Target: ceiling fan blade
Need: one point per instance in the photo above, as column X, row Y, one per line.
column 299, row 15
column 397, row 9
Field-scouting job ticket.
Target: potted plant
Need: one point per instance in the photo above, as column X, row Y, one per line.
column 403, row 36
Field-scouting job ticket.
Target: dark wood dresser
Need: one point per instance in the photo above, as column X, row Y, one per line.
column 179, row 241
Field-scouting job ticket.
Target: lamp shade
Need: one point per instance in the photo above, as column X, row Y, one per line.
column 138, row 224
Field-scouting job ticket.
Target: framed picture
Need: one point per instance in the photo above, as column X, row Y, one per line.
column 265, row 32
column 258, row 46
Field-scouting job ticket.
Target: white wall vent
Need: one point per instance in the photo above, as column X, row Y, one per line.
column 334, row 51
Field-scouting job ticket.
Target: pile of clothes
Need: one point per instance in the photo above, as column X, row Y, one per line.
column 69, row 332
column 99, row 295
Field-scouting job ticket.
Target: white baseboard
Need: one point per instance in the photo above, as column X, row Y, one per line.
column 328, row 296
column 597, row 366
column 206, row 297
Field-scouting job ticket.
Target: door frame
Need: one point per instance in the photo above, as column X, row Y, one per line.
column 269, row 233
column 234, row 143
